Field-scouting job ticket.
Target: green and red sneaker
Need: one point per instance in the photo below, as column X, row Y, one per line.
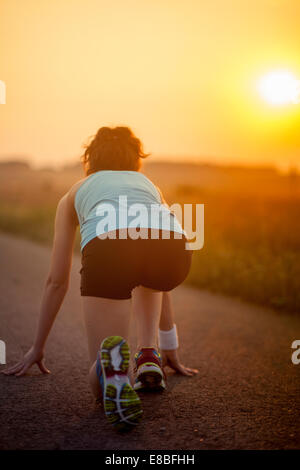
column 149, row 372
column 122, row 405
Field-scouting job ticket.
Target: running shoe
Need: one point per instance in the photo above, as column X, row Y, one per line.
column 149, row 372
column 122, row 405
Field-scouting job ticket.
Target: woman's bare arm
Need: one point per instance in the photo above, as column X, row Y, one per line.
column 167, row 315
column 171, row 357
column 56, row 285
column 58, row 278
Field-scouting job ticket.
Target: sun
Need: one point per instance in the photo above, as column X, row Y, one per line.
column 279, row 87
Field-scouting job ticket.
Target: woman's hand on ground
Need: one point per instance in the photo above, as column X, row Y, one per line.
column 30, row 358
column 171, row 359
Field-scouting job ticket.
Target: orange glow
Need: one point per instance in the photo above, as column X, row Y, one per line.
column 180, row 74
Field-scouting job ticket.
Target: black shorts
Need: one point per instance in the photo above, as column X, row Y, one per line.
column 111, row 268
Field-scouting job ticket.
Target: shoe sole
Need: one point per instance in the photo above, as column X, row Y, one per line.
column 122, row 405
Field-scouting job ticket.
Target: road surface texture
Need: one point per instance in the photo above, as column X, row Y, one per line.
column 246, row 396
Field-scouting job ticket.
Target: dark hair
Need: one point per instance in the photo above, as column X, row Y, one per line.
column 113, row 149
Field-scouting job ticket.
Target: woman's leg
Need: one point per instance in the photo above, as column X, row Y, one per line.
column 146, row 306
column 103, row 317
column 107, row 317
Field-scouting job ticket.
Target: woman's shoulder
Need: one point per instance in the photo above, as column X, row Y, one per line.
column 66, row 203
column 73, row 190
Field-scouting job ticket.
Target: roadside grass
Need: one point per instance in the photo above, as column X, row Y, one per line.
column 251, row 248
column 34, row 223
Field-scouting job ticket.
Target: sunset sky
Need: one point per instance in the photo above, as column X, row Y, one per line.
column 183, row 74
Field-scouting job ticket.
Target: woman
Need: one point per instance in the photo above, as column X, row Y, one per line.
column 127, row 262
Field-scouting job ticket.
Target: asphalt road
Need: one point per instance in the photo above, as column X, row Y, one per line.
column 246, row 396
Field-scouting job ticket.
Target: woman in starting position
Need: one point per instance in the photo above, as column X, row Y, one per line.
column 134, row 252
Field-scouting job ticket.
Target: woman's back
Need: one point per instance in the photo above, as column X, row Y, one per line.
column 120, row 190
